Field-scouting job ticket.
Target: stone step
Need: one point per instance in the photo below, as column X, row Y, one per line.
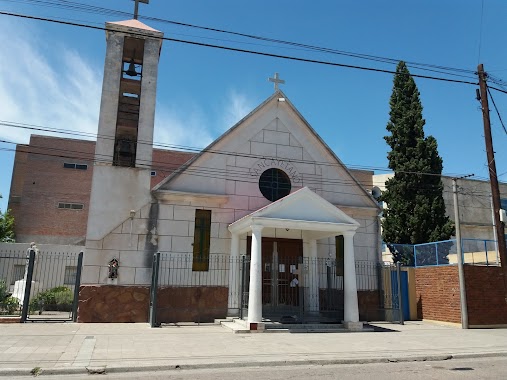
column 220, row 320
column 302, row 331
column 304, row 326
column 241, row 322
column 235, row 327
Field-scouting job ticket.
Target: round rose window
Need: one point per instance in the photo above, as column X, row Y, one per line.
column 274, row 184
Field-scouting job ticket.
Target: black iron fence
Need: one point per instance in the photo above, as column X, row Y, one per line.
column 12, row 270
column 297, row 290
column 194, row 289
column 39, row 286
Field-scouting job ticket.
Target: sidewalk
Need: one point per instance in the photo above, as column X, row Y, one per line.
column 61, row 348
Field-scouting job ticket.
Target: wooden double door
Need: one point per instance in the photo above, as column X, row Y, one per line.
column 281, row 266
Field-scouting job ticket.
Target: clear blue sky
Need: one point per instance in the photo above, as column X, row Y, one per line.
column 51, row 74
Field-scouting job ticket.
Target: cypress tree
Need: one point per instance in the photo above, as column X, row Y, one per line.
column 415, row 206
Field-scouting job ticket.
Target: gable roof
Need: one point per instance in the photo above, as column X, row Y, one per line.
column 276, row 95
column 220, row 138
column 303, row 210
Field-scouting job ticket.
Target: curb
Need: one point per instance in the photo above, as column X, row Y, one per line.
column 150, row 368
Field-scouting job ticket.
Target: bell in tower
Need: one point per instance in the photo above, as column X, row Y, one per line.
column 123, row 153
column 127, row 121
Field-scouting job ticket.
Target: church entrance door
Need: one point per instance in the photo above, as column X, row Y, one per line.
column 281, row 265
column 282, row 288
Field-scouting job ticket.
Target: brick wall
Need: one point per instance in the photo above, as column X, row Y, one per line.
column 437, row 292
column 364, row 177
column 485, row 295
column 165, row 162
column 438, row 296
column 40, row 182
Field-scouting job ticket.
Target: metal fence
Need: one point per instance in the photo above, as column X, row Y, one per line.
column 312, row 291
column 39, row 286
column 479, row 252
column 298, row 289
column 474, row 252
column 434, row 253
column 12, row 269
column 193, row 289
column 183, row 270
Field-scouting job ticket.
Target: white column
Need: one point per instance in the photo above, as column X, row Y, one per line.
column 313, row 277
column 351, row 311
column 255, row 289
column 234, row 302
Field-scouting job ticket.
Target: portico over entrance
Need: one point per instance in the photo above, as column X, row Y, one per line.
column 316, row 219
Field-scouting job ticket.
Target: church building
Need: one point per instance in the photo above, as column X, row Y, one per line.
column 269, row 192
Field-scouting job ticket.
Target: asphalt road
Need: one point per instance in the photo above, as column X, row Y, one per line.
column 481, row 368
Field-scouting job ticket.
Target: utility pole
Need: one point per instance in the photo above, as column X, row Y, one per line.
column 495, row 191
column 459, row 254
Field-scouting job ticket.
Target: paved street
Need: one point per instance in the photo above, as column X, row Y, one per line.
column 481, row 368
column 117, row 348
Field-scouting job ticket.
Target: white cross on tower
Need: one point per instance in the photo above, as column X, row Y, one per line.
column 276, row 80
column 136, row 7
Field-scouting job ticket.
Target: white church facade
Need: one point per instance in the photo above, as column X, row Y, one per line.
column 268, row 192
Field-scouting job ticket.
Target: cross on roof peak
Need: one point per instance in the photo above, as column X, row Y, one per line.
column 136, row 6
column 276, row 80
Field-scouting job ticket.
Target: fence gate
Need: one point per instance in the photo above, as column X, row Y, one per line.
column 40, row 287
column 306, row 291
column 318, row 294
column 394, row 293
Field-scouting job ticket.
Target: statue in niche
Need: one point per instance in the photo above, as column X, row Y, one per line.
column 113, row 266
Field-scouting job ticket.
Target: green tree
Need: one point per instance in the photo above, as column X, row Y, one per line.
column 6, row 226
column 415, row 206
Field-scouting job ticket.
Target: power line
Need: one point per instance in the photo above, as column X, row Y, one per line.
column 206, row 172
column 199, row 171
column 254, row 52
column 106, row 11
column 496, row 109
column 199, row 150
column 497, row 89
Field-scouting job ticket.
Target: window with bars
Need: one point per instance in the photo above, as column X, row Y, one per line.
column 70, row 275
column 202, row 237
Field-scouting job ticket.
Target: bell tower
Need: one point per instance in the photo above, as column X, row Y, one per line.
column 123, row 153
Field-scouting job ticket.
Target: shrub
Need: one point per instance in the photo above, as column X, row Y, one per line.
column 10, row 305
column 3, row 290
column 57, row 299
